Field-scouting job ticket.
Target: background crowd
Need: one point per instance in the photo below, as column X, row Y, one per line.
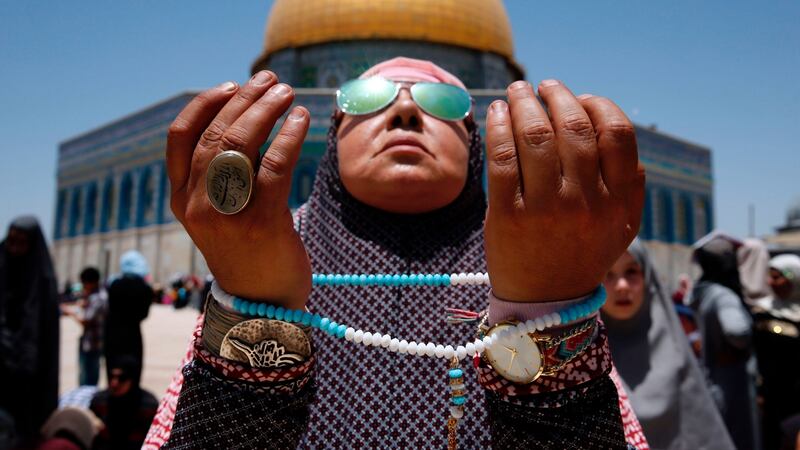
column 711, row 359
column 109, row 312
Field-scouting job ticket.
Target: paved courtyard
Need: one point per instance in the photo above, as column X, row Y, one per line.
column 166, row 335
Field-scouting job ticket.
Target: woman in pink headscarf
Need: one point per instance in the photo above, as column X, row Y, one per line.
column 397, row 202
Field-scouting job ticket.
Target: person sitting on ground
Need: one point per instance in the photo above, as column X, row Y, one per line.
column 125, row 408
column 70, row 428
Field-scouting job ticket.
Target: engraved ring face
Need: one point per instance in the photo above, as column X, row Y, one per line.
column 229, row 182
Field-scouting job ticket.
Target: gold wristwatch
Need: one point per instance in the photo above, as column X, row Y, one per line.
column 522, row 357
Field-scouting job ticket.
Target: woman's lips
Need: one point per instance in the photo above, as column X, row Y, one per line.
column 623, row 302
column 405, row 144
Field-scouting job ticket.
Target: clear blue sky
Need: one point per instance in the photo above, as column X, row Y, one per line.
column 723, row 74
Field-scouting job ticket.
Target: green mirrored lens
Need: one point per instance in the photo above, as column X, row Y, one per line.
column 441, row 100
column 365, row 96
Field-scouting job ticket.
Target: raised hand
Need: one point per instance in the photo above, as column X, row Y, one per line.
column 255, row 253
column 566, row 191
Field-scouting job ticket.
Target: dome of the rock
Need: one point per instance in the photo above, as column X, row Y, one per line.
column 319, row 43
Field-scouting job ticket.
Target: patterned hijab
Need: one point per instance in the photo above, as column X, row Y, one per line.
column 666, row 386
column 406, row 395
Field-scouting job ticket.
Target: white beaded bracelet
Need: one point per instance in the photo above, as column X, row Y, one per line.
column 571, row 314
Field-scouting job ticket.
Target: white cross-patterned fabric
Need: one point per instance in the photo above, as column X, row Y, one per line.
column 367, row 398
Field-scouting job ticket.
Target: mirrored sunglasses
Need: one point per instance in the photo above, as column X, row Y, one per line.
column 440, row 100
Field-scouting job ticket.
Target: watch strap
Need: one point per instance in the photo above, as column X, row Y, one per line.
column 591, row 363
column 561, row 348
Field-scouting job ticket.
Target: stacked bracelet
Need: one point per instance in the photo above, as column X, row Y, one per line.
column 569, row 315
column 572, row 314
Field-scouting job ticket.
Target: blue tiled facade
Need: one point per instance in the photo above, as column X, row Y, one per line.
column 114, row 178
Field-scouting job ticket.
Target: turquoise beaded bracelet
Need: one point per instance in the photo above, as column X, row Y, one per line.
column 568, row 315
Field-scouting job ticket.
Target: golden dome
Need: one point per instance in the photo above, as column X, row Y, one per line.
column 477, row 24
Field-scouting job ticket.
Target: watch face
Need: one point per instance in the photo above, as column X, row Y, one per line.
column 515, row 355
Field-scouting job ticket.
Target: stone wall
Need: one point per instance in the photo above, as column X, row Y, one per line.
column 167, row 249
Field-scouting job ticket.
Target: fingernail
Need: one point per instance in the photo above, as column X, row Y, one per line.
column 548, row 83
column 499, row 106
column 297, row 114
column 227, row 86
column 585, row 96
column 521, row 84
column 260, row 78
column 279, row 89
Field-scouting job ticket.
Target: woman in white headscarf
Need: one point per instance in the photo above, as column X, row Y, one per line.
column 652, row 355
column 776, row 337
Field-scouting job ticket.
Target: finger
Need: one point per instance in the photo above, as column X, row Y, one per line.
column 501, row 156
column 577, row 147
column 186, row 129
column 274, row 178
column 535, row 141
column 211, row 141
column 249, row 132
column 616, row 142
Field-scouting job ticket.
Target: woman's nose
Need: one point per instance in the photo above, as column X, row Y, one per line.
column 404, row 113
column 621, row 285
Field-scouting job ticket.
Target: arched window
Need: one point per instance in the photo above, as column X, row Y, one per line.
column 61, row 210
column 680, row 222
column 667, row 217
column 145, row 210
column 75, row 212
column 688, row 219
column 125, row 200
column 646, row 227
column 663, row 220
column 90, row 211
column 701, row 218
column 709, row 215
column 162, row 194
column 107, row 206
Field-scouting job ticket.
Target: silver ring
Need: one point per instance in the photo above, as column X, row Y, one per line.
column 229, row 182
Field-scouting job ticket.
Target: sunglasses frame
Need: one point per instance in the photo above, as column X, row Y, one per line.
column 398, row 85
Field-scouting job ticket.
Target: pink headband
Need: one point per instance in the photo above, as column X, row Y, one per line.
column 409, row 69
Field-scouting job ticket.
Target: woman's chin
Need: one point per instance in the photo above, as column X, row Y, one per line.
column 407, row 198
column 407, row 190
